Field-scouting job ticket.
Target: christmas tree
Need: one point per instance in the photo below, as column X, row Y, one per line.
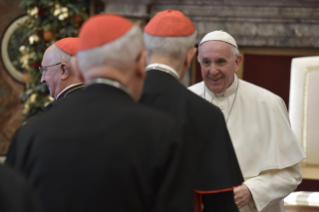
column 47, row 22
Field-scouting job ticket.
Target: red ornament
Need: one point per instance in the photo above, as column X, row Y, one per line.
column 36, row 65
column 47, row 35
column 25, row 41
column 41, row 12
column 76, row 19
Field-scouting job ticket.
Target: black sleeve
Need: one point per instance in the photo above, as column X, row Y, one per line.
column 15, row 194
column 222, row 201
column 217, row 168
column 175, row 191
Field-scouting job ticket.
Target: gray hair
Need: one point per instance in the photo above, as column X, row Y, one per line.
column 119, row 54
column 175, row 47
column 235, row 51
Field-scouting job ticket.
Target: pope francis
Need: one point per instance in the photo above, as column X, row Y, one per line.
column 266, row 147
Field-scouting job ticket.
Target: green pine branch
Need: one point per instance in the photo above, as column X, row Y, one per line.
column 48, row 21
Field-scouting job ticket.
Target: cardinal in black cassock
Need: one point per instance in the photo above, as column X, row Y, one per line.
column 99, row 150
column 216, row 170
column 57, row 72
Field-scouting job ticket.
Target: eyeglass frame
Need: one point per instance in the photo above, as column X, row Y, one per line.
column 42, row 69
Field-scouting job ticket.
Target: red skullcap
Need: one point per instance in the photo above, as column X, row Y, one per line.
column 102, row 29
column 170, row 23
column 68, row 45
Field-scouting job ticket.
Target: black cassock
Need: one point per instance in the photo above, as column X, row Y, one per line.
column 216, row 169
column 71, row 91
column 98, row 150
column 67, row 92
column 15, row 194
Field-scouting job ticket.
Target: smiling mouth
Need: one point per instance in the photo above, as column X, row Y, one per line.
column 216, row 79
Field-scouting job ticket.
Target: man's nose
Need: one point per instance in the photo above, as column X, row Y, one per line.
column 213, row 70
column 42, row 78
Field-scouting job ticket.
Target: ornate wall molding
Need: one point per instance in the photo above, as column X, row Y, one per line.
column 252, row 23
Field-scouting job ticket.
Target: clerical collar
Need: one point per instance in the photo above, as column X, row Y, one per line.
column 233, row 89
column 163, row 68
column 228, row 92
column 70, row 86
column 110, row 82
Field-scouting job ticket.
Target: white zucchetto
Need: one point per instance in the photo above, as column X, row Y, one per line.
column 219, row 36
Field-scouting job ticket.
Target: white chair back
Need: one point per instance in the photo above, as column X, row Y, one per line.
column 304, row 110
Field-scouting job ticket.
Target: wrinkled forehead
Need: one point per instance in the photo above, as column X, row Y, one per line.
column 216, row 48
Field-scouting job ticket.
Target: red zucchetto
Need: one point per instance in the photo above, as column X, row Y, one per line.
column 170, row 23
column 102, row 29
column 68, row 45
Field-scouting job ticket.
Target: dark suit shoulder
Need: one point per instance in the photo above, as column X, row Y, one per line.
column 202, row 105
column 206, row 131
column 15, row 193
column 108, row 143
column 91, row 111
column 163, row 92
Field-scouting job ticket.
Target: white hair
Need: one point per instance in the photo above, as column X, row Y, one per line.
column 235, row 51
column 175, row 47
column 119, row 54
column 60, row 55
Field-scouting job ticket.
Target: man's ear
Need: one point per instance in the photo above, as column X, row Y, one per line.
column 189, row 56
column 65, row 71
column 238, row 61
column 141, row 64
column 76, row 70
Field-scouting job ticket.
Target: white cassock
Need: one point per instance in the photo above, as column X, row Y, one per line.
column 267, row 150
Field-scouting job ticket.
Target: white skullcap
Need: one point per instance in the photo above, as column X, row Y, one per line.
column 219, row 36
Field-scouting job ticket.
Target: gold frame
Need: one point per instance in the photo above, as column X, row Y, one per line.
column 13, row 72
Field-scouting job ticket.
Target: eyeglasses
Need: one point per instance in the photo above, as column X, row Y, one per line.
column 43, row 69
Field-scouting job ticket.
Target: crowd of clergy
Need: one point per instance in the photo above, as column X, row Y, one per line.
column 125, row 135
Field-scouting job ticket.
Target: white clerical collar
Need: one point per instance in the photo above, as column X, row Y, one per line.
column 164, row 68
column 70, row 86
column 228, row 92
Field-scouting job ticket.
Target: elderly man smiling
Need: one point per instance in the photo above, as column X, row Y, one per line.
column 56, row 69
column 266, row 147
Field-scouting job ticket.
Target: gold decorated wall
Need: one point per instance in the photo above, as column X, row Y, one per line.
column 10, row 89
